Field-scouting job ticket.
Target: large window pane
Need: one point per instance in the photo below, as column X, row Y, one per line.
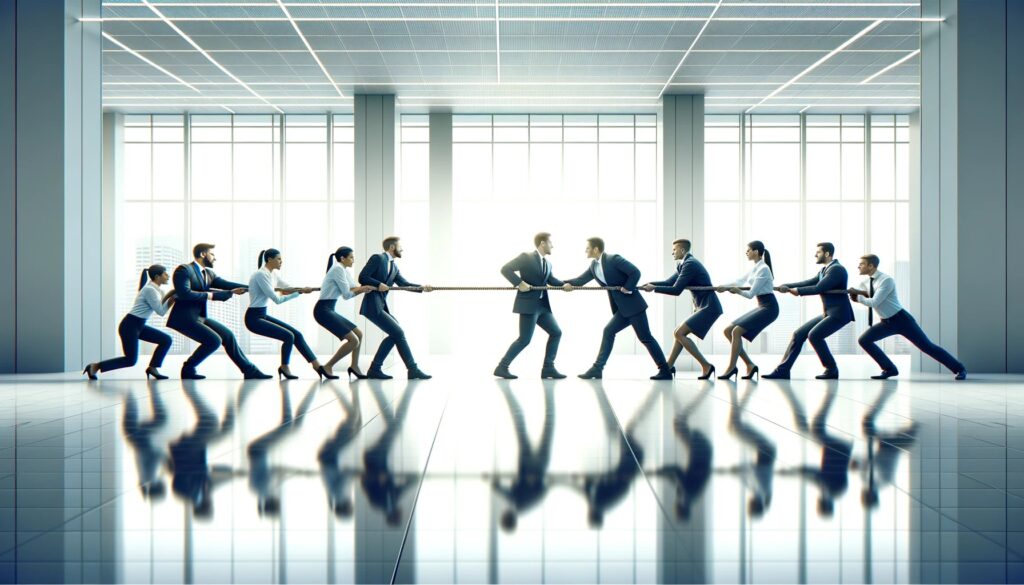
column 211, row 171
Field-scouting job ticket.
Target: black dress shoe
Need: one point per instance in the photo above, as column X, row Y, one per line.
column 502, row 372
column 255, row 374
column 885, row 375
column 592, row 374
column 550, row 373
column 663, row 374
column 961, row 375
column 418, row 374
column 378, row 374
column 828, row 375
column 776, row 375
column 191, row 375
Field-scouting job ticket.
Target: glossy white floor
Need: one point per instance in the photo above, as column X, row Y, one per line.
column 467, row 479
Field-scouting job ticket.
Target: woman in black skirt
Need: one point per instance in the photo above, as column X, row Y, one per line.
column 339, row 282
column 759, row 279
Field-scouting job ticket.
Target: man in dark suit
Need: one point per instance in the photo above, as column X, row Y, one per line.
column 628, row 307
column 532, row 306
column 837, row 312
column 194, row 285
column 382, row 272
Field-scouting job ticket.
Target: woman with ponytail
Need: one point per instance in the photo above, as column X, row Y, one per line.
column 759, row 279
column 263, row 287
column 339, row 282
column 133, row 326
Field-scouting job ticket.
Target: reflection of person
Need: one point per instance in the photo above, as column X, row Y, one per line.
column 530, row 483
column 193, row 480
column 750, row 324
column 884, row 449
column 532, row 306
column 691, row 480
column 339, row 282
column 759, row 477
column 384, row 488
column 263, row 287
column 832, row 474
column 336, row 480
column 879, row 294
column 629, row 309
column 149, row 456
column 133, row 327
column 836, row 313
column 262, row 478
column 381, row 271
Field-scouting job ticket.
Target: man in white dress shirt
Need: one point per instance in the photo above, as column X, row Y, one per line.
column 879, row 294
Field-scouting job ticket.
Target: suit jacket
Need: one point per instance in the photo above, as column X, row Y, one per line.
column 690, row 272
column 528, row 265
column 617, row 272
column 190, row 294
column 832, row 277
column 376, row 273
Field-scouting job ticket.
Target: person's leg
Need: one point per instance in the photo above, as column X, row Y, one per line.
column 550, row 326
column 914, row 334
column 358, row 334
column 299, row 340
column 207, row 339
column 527, row 324
column 266, row 326
column 389, row 325
column 817, row 336
column 686, row 342
column 350, row 343
column 231, row 346
column 796, row 343
column 730, row 334
column 869, row 342
column 615, row 324
column 162, row 341
column 642, row 327
column 129, row 333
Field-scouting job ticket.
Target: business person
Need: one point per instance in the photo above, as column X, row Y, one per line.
column 149, row 300
column 707, row 308
column 381, row 272
column 879, row 294
column 339, row 282
column 263, row 287
column 750, row 324
column 194, row 285
column 836, row 313
column 533, row 306
column 628, row 308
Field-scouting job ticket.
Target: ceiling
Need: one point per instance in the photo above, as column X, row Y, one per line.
column 519, row 56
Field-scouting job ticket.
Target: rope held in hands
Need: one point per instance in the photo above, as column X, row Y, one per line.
column 596, row 288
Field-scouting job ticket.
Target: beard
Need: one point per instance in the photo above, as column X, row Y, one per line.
column 206, row 262
column 398, row 254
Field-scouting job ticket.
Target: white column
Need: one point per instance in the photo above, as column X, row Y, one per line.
column 441, row 252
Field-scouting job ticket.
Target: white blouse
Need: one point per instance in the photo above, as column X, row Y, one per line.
column 338, row 282
column 148, row 301
column 759, row 279
column 261, row 289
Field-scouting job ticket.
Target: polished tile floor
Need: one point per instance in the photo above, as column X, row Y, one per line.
column 472, row 480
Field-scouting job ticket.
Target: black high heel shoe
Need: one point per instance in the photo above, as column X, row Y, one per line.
column 88, row 372
column 322, row 372
column 754, row 372
column 155, row 374
column 729, row 374
column 358, row 376
column 282, row 374
column 672, row 371
column 709, row 375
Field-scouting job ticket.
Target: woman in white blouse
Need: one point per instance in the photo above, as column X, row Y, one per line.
column 759, row 279
column 133, row 327
column 263, row 287
column 339, row 282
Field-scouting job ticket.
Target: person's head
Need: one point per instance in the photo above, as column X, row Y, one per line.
column 394, row 517
column 595, row 517
column 595, row 247
column 393, row 245
column 826, row 507
column 203, row 255
column 756, row 507
column 154, row 491
column 157, row 273
column 343, row 508
column 343, row 255
column 271, row 258
column 825, row 252
column 869, row 498
column 509, row 520
column 757, row 252
column 868, row 264
column 680, row 248
column 542, row 242
column 683, row 510
column 269, row 506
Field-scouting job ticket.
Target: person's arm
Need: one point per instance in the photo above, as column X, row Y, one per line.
column 809, row 282
column 510, row 268
column 552, row 281
column 152, row 297
column 762, row 277
column 341, row 279
column 882, row 292
column 183, row 287
column 263, row 283
column 401, row 281
column 632, row 274
column 832, row 280
column 367, row 274
column 581, row 279
column 224, row 284
column 678, row 285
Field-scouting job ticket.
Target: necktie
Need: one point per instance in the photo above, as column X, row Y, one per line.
column 543, row 266
column 871, row 293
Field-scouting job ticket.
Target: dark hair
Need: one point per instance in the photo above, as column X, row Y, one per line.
column 389, row 241
column 684, row 243
column 152, row 272
column 758, row 247
column 871, row 259
column 268, row 254
column 200, row 249
column 541, row 237
column 338, row 254
column 596, row 243
column 828, row 248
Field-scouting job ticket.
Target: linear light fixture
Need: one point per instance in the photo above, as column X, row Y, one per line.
column 531, row 4
column 559, row 51
column 309, row 47
column 815, row 65
column 497, row 39
column 154, row 65
column 624, row 18
column 893, row 66
column 690, row 48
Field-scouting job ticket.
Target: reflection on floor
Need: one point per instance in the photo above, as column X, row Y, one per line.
column 485, row 481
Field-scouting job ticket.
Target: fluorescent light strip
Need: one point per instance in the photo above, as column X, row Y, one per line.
column 804, row 110
column 529, row 4
column 690, row 48
column 189, row 40
column 230, row 111
column 513, row 19
column 308, row 47
column 154, row 65
column 497, row 39
column 815, row 65
column 469, row 51
column 893, row 66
